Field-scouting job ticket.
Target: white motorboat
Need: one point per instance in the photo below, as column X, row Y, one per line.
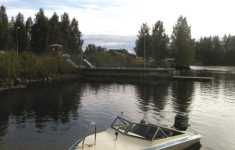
column 127, row 135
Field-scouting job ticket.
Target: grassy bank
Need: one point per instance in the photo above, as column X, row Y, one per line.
column 113, row 59
column 27, row 66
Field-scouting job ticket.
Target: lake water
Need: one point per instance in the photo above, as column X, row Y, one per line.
column 53, row 117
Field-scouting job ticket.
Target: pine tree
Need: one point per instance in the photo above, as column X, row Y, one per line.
column 75, row 42
column 182, row 43
column 11, row 35
column 204, row 50
column 218, row 51
column 54, row 35
column 3, row 28
column 159, row 41
column 65, row 31
column 39, row 40
column 229, row 47
column 20, row 32
column 143, row 42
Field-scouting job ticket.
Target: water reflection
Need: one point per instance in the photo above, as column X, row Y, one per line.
column 53, row 117
column 152, row 96
column 144, row 94
column 58, row 104
column 4, row 119
column 182, row 94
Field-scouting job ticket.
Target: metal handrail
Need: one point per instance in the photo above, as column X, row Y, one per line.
column 82, row 139
column 76, row 143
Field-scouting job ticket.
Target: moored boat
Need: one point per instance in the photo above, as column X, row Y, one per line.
column 126, row 135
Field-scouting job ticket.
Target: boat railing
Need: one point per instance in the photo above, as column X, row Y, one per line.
column 83, row 138
column 73, row 147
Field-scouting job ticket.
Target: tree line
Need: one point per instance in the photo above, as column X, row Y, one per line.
column 36, row 35
column 157, row 45
column 214, row 50
column 102, row 57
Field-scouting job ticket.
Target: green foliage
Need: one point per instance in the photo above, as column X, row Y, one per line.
column 27, row 65
column 65, row 30
column 159, row 42
column 100, row 57
column 39, row 32
column 3, row 28
column 11, row 45
column 229, row 50
column 154, row 45
column 54, row 32
column 30, row 66
column 36, row 36
column 20, row 33
column 216, row 51
column 143, row 42
column 9, row 65
column 75, row 42
column 182, row 43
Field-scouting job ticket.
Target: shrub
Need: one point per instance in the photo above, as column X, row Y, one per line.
column 30, row 66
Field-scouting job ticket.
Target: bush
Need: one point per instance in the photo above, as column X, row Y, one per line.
column 30, row 66
column 107, row 59
column 9, row 65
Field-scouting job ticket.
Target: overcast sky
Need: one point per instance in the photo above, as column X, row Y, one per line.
column 124, row 17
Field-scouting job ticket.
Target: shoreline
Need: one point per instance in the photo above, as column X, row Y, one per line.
column 12, row 84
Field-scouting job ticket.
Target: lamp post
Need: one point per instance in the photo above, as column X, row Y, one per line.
column 144, row 49
column 17, row 41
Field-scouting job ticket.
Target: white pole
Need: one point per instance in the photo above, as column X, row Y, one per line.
column 17, row 40
column 144, row 50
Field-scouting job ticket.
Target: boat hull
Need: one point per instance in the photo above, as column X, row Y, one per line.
column 192, row 143
column 107, row 140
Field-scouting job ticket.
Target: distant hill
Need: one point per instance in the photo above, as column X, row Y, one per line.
column 111, row 41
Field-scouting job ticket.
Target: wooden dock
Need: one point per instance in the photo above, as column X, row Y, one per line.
column 192, row 78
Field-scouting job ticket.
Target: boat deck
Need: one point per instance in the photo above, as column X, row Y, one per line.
column 107, row 141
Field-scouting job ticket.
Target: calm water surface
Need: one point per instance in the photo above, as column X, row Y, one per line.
column 53, row 117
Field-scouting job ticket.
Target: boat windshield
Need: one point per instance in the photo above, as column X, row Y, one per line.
column 121, row 124
column 142, row 131
column 145, row 131
column 134, row 129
